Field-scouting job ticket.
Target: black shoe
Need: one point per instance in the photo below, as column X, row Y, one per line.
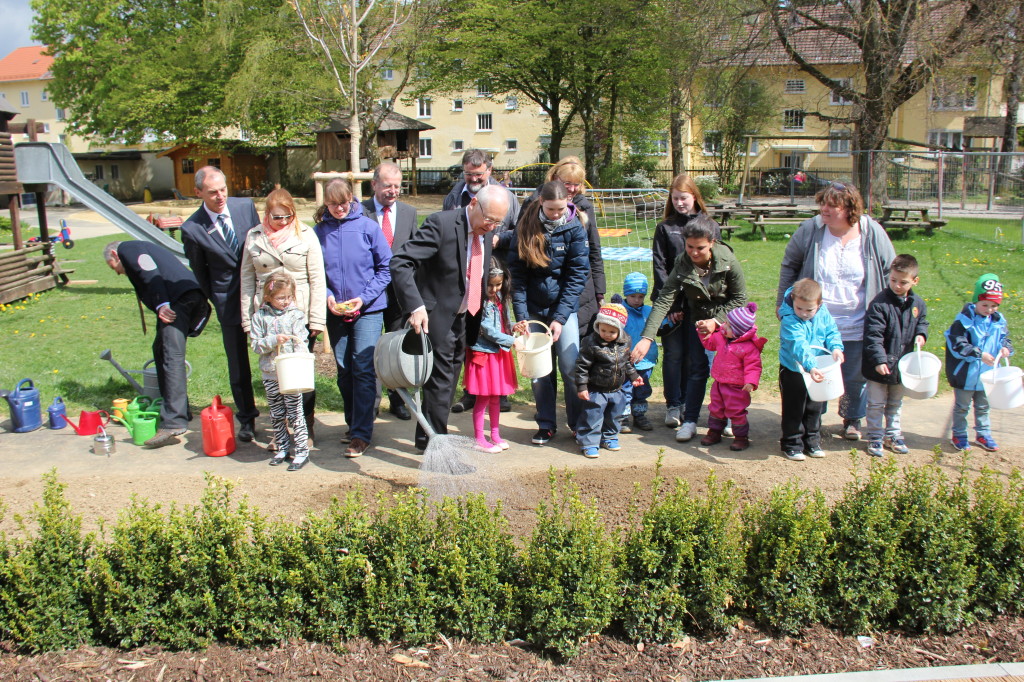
column 506, row 405
column 542, row 436
column 298, row 464
column 399, row 410
column 464, row 404
column 164, row 437
column 246, row 431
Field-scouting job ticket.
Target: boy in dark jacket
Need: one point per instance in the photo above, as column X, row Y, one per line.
column 602, row 367
column 895, row 322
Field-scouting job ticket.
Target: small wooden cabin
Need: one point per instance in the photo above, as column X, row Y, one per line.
column 398, row 138
column 244, row 168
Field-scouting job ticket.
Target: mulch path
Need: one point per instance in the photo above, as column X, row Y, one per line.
column 743, row 653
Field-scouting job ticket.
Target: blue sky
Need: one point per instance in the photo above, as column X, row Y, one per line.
column 17, row 31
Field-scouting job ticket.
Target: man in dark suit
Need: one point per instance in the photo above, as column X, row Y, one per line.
column 434, row 274
column 213, row 237
column 170, row 290
column 397, row 221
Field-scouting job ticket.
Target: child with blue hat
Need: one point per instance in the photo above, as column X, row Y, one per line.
column 634, row 291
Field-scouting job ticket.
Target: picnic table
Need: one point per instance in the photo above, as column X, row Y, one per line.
column 171, row 223
column 759, row 217
column 906, row 217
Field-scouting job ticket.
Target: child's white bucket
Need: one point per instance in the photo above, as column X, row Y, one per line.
column 1003, row 386
column 831, row 387
column 294, row 372
column 919, row 374
column 534, row 352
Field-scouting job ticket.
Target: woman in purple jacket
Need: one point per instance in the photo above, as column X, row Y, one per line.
column 356, row 260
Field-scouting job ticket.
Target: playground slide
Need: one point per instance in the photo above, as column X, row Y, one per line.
column 45, row 162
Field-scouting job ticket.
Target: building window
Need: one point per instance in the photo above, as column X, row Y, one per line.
column 954, row 139
column 46, row 128
column 387, row 73
column 426, row 147
column 839, row 143
column 385, row 103
column 115, row 171
column 483, row 88
column 484, row 122
column 511, row 103
column 795, row 86
column 60, row 114
column 955, row 94
column 188, row 166
column 63, row 139
column 456, row 105
column 44, row 97
column 837, row 99
column 458, row 145
column 511, row 145
column 793, row 119
column 423, row 108
column 24, row 98
column 213, row 162
column 243, row 134
column 97, row 174
column 660, row 143
column 712, row 143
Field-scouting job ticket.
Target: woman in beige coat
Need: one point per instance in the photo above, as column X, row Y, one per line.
column 282, row 242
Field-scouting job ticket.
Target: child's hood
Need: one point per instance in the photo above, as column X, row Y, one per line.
column 968, row 316
column 750, row 336
column 787, row 304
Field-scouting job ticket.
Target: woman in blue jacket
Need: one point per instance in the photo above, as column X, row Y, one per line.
column 549, row 261
column 356, row 260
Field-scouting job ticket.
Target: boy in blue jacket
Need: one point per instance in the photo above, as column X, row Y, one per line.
column 975, row 342
column 805, row 323
column 634, row 289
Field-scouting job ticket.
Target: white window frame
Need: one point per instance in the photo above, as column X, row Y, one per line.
column 660, row 142
column 458, row 145
column 483, row 88
column 24, row 98
column 426, row 148
column 793, row 114
column 61, row 114
column 712, row 143
column 837, row 100
column 46, row 128
column 480, row 119
column 794, row 86
column 963, row 100
column 839, row 143
column 944, row 138
column 458, row 104
column 424, row 107
column 512, row 146
column 387, row 73
column 386, row 103
column 511, row 103
column 44, row 97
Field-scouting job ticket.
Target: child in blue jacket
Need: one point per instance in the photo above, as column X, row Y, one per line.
column 634, row 289
column 975, row 342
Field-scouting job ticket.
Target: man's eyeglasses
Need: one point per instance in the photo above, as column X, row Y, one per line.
column 493, row 222
column 281, row 217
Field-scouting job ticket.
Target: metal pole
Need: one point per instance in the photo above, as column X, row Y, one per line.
column 942, row 162
column 871, row 166
column 993, row 165
column 746, row 169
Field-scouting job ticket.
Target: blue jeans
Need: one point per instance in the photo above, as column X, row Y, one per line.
column 599, row 418
column 673, row 365
column 354, row 343
column 566, row 348
column 961, row 404
column 636, row 396
column 854, row 402
column 699, row 371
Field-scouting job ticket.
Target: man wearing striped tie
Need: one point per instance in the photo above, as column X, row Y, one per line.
column 213, row 238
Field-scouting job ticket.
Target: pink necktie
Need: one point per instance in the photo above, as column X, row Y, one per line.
column 385, row 226
column 475, row 273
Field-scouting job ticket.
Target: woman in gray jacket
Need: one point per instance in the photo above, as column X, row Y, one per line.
column 848, row 254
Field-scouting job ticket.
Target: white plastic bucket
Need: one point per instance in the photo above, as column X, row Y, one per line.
column 294, row 373
column 1003, row 386
column 831, row 387
column 919, row 374
column 534, row 352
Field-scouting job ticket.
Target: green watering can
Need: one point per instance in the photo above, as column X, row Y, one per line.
column 140, row 404
column 142, row 427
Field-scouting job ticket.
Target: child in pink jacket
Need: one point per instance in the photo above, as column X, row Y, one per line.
column 736, row 371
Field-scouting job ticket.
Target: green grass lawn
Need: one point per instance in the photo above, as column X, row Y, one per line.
column 55, row 338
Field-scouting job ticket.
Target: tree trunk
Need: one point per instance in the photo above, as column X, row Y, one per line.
column 676, row 131
column 1013, row 88
column 869, row 169
column 609, row 131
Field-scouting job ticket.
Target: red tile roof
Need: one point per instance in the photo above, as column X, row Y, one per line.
column 25, row 63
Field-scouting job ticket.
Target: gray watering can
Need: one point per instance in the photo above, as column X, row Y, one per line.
column 404, row 362
column 150, row 383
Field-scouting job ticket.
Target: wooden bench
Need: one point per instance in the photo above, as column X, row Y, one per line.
column 906, row 225
column 171, row 223
column 649, row 209
column 761, row 221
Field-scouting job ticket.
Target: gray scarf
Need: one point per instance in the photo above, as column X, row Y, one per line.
column 551, row 225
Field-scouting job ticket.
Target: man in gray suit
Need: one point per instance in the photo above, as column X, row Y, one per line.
column 213, row 237
column 397, row 220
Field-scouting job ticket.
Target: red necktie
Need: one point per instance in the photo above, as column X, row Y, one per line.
column 475, row 272
column 385, row 225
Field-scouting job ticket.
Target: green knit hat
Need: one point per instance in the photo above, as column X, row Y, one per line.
column 988, row 288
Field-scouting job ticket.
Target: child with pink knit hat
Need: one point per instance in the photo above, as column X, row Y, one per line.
column 736, row 371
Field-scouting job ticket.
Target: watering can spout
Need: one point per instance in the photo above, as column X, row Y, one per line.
column 73, row 425
column 108, row 356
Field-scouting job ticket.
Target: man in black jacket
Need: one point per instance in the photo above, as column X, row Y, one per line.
column 170, row 290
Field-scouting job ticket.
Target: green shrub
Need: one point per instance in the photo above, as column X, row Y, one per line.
column 41, row 598
column 862, row 574
column 708, row 186
column 935, row 578
column 787, row 539
column 997, row 522
column 569, row 579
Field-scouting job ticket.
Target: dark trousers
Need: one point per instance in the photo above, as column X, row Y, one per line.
column 439, row 390
column 236, row 347
column 801, row 416
column 169, row 354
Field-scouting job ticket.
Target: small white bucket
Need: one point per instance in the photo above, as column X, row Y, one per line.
column 919, row 374
column 534, row 352
column 1003, row 386
column 831, row 387
column 295, row 373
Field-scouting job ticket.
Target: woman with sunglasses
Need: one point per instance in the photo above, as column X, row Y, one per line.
column 358, row 258
column 848, row 254
column 282, row 242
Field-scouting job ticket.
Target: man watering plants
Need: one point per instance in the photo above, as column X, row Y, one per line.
column 170, row 290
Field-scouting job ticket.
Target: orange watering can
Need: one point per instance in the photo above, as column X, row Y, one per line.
column 89, row 422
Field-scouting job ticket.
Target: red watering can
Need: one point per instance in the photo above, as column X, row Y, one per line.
column 89, row 423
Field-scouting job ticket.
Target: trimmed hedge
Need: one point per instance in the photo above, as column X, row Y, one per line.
column 910, row 550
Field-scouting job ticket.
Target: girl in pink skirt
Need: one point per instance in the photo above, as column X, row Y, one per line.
column 490, row 373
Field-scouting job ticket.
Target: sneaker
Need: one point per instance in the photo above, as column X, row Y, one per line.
column 624, row 427
column 590, row 453
column 489, row 448
column 674, row 417
column 875, row 448
column 686, row 432
column 727, row 431
column 641, row 422
column 611, row 444
column 816, row 453
column 542, row 436
column 851, row 429
column 960, row 443
column 986, row 443
column 794, row 455
column 503, row 444
column 896, row 445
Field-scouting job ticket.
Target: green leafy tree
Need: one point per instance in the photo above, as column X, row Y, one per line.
column 735, row 106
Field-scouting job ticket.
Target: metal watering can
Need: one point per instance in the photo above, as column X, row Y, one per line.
column 150, row 386
column 143, row 426
column 403, row 363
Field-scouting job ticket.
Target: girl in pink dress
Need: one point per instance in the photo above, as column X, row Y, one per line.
column 490, row 373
